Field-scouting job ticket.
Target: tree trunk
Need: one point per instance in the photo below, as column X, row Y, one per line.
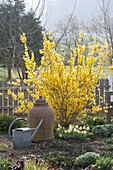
column 9, row 72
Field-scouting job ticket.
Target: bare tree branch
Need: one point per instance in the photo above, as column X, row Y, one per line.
column 66, row 27
column 42, row 9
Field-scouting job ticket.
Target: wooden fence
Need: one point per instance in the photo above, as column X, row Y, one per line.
column 7, row 103
column 100, row 92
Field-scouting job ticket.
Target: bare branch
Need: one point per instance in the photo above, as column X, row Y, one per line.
column 66, row 27
column 42, row 9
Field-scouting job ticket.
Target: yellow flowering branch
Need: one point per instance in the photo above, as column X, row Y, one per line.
column 69, row 90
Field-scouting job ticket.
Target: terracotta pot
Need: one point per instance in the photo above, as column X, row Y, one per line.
column 39, row 111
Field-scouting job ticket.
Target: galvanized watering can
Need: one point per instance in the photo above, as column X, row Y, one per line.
column 22, row 137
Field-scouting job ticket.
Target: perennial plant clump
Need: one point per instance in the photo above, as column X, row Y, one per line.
column 76, row 132
column 89, row 158
column 68, row 89
column 100, row 130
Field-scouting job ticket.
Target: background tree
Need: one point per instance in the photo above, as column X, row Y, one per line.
column 102, row 26
column 10, row 20
column 67, row 37
column 14, row 21
column 31, row 25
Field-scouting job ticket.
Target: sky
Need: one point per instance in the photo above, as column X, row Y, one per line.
column 56, row 10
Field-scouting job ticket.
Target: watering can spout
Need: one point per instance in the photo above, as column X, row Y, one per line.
column 36, row 129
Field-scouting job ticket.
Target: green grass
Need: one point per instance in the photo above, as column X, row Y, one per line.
column 4, row 74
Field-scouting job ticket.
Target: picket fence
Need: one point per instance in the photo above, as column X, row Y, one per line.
column 7, row 103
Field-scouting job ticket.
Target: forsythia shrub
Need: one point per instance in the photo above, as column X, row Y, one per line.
column 69, row 90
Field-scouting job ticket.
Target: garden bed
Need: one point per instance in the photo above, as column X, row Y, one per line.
column 93, row 136
column 64, row 151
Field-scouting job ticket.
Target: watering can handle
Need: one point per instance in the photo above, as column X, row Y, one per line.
column 10, row 127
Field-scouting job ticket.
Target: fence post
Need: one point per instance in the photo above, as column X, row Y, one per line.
column 110, row 83
column 109, row 100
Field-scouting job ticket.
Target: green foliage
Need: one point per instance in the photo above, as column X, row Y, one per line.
column 103, row 130
column 4, row 164
column 100, row 131
column 87, row 159
column 109, row 127
column 109, row 144
column 73, row 147
column 2, row 147
column 104, row 164
column 97, row 120
column 6, row 120
column 109, row 140
column 61, row 159
column 58, row 143
column 33, row 165
column 76, row 132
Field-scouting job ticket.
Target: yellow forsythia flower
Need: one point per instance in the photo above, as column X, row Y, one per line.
column 95, row 47
column 23, row 38
column 41, row 51
column 110, row 67
column 32, row 56
column 81, row 34
column 29, row 105
column 9, row 92
column 87, row 38
column 106, row 111
column 21, row 95
column 96, row 109
column 68, row 89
